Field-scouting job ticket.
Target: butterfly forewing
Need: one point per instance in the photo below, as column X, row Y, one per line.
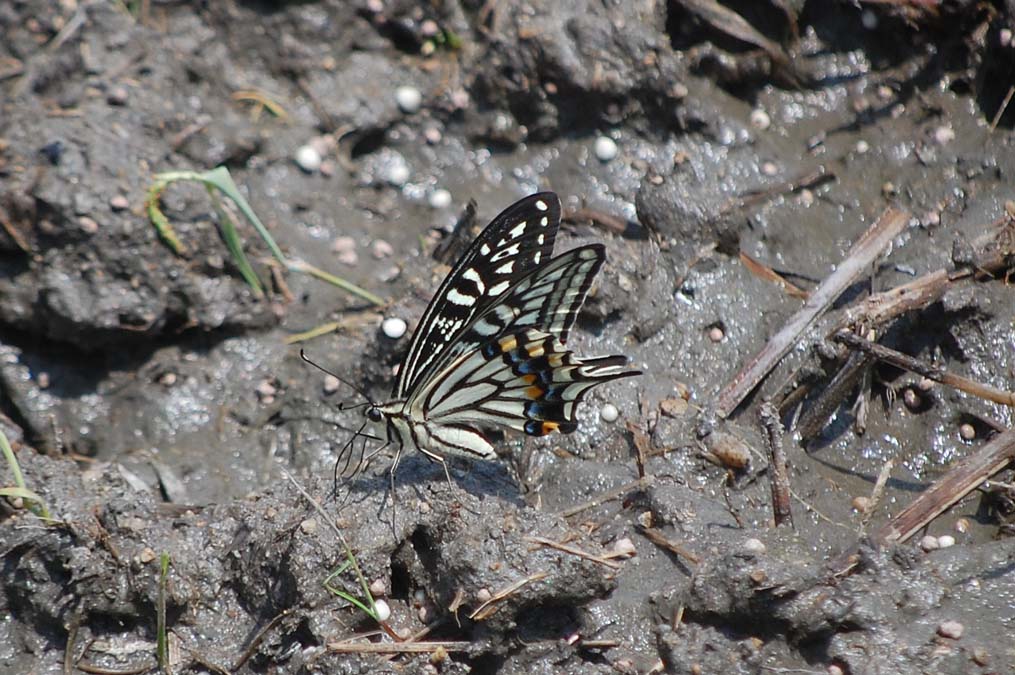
column 519, row 240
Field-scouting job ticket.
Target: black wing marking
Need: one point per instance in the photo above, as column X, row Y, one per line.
column 514, row 243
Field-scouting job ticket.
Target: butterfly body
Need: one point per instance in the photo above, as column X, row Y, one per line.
column 490, row 348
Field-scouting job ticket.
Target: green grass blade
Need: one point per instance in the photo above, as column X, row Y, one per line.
column 221, row 179
column 34, row 501
column 307, row 268
column 162, row 642
column 235, row 245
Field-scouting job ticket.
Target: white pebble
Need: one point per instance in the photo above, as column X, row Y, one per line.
column 951, row 629
column 382, row 610
column 440, row 199
column 409, row 99
column 484, row 595
column 266, row 389
column 308, row 158
column 945, row 540
column 760, row 119
column 331, row 384
column 862, row 147
column 394, row 327
column 754, row 546
column 609, row 413
column 944, row 135
column 769, row 168
column 930, row 543
column 378, row 588
column 605, row 149
column 397, row 173
column 624, row 547
column 381, row 249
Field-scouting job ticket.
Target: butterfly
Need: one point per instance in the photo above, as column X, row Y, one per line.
column 490, row 348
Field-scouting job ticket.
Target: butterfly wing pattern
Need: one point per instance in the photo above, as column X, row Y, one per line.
column 490, row 349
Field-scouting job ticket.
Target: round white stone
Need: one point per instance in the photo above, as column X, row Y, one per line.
column 394, row 327
column 760, row 119
column 382, row 610
column 609, row 413
column 754, row 546
column 397, row 174
column 308, row 158
column 945, row 541
column 440, row 199
column 409, row 99
column 605, row 149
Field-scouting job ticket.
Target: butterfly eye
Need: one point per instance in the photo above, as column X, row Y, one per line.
column 374, row 415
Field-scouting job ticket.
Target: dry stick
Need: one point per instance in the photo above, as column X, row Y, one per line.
column 864, row 252
column 929, row 370
column 956, row 484
column 878, row 492
column 781, row 501
column 542, row 541
column 488, row 608
column 814, row 418
column 396, row 647
column 607, row 496
column 659, row 539
column 1000, row 111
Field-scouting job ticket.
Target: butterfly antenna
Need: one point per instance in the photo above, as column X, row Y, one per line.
column 369, row 401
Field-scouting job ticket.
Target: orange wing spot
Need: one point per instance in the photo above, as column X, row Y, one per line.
column 508, row 343
column 529, row 379
column 535, row 350
column 535, row 393
column 549, row 426
column 556, row 360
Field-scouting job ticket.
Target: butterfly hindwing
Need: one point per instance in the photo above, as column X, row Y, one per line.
column 517, row 241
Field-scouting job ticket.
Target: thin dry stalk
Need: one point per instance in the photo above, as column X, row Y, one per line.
column 489, row 607
column 660, row 540
column 573, row 551
column 781, row 500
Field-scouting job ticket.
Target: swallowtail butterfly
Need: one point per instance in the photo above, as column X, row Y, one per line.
column 490, row 348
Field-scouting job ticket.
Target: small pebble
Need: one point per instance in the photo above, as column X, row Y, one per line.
column 429, row 28
column 889, row 189
column 605, row 149
column 931, row 219
column 980, row 656
column 119, row 203
column 754, row 546
column 861, row 504
column 806, row 197
column 624, row 547
column 381, row 249
column 835, row 670
column 266, row 390
column 117, row 96
column 147, row 555
column 423, row 613
column 674, row 407
column 869, row 19
column 308, row 158
column 409, row 99
column 42, row 379
column 331, row 384
column 1004, row 36
column 432, row 135
column 345, row 249
column 951, row 629
column 967, row 432
column 862, row 147
column 945, row 541
column 609, row 412
column 944, row 135
column 962, row 525
column 645, row 519
column 394, row 327
column 483, row 595
column 378, row 588
column 397, row 173
column 929, row 543
column 328, row 168
column 925, row 384
column 88, row 224
column 381, row 610
column 440, row 199
column 389, row 274
column 308, row 526
column 419, row 597
column 769, row 168
column 715, row 334
column 912, row 399
column 760, row 119
column 168, row 379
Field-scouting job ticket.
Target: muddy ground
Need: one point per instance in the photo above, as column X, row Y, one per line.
column 156, row 406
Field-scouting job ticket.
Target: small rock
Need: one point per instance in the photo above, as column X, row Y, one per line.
column 861, row 504
column 673, row 407
column 944, row 135
column 754, row 546
column 609, row 413
column 432, row 135
column 147, row 555
column 862, row 147
column 967, row 432
column 605, row 149
column 42, row 379
column 119, row 203
column 266, row 390
column 760, row 119
column 396, row 173
column 962, row 525
column 328, row 168
column 381, row 249
column 912, row 399
column 869, row 19
column 308, row 526
column 929, row 543
column 484, row 595
column 308, row 158
column 715, row 334
column 835, row 670
column 331, row 384
column 409, row 99
column 394, row 327
column 88, row 224
column 623, row 547
column 925, row 384
column 945, row 541
column 440, row 199
column 382, row 610
column 168, row 379
column 378, row 588
column 951, row 629
column 769, row 168
column 117, row 96
column 345, row 249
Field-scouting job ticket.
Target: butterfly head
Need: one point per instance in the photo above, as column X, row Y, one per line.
column 373, row 413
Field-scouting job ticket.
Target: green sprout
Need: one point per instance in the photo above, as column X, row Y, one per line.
column 34, row 501
column 216, row 181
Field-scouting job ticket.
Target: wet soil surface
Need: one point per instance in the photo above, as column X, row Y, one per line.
column 156, row 406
